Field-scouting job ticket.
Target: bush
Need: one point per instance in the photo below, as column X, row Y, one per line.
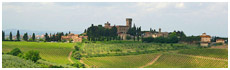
column 76, row 48
column 128, row 37
column 77, row 55
column 15, row 51
column 32, row 55
column 78, row 65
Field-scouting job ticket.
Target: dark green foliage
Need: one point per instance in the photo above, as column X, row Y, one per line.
column 32, row 55
column 99, row 33
column 128, row 37
column 33, row 37
column 3, row 36
column 11, row 39
column 9, row 61
column 77, row 55
column 47, row 38
column 76, row 48
column 15, row 51
column 25, row 37
column 18, row 36
column 78, row 65
column 46, row 64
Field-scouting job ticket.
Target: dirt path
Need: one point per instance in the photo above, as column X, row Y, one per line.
column 81, row 61
column 69, row 57
column 153, row 61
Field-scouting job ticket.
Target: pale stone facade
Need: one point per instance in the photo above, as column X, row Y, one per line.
column 121, row 29
column 154, row 35
column 74, row 37
column 205, row 39
column 220, row 41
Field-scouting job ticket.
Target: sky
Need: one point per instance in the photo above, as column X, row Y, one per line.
column 193, row 18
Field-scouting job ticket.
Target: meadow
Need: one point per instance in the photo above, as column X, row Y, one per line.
column 52, row 52
column 9, row 61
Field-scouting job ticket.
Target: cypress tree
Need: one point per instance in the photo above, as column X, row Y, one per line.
column 3, row 36
column 33, row 37
column 25, row 37
column 18, row 36
column 11, row 36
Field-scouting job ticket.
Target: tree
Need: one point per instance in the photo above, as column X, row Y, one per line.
column 32, row 55
column 18, row 36
column 3, row 36
column 77, row 55
column 15, row 51
column 132, row 31
column 173, row 38
column 138, row 33
column 11, row 36
column 25, row 37
column 85, row 31
column 47, row 39
column 33, row 37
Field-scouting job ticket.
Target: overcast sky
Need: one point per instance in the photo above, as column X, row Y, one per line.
column 192, row 18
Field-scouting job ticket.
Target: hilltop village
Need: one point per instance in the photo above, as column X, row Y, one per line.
column 122, row 32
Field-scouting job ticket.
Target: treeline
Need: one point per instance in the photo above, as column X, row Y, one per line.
column 47, row 38
column 99, row 33
column 135, row 32
column 174, row 37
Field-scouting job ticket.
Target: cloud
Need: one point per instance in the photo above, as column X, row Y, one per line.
column 77, row 16
column 180, row 5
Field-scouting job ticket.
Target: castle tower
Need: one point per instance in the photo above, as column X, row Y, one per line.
column 107, row 25
column 129, row 22
column 159, row 30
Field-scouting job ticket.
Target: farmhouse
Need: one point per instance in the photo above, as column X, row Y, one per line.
column 220, row 41
column 205, row 39
column 73, row 37
column 156, row 34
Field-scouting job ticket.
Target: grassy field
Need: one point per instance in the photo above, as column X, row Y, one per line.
column 9, row 61
column 53, row 52
column 217, row 53
column 181, row 61
column 130, row 61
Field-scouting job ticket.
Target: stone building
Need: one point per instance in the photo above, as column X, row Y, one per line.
column 220, row 41
column 121, row 29
column 205, row 40
column 157, row 34
column 73, row 37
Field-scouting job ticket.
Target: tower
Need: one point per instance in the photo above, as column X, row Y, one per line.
column 129, row 22
column 107, row 25
column 159, row 30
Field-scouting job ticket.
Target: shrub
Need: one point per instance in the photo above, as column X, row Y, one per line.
column 32, row 55
column 15, row 51
column 76, row 48
column 77, row 55
column 128, row 37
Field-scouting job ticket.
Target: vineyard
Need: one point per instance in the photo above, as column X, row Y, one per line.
column 130, row 61
column 183, row 61
column 52, row 52
column 217, row 53
column 117, row 48
column 9, row 61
